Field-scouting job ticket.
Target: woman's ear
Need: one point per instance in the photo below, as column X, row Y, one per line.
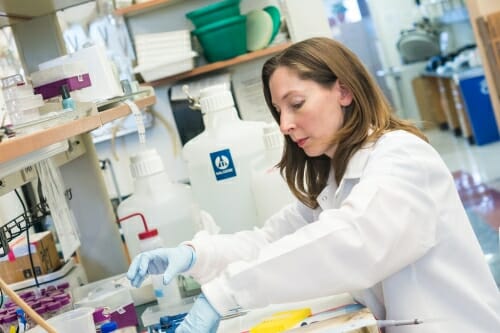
column 346, row 96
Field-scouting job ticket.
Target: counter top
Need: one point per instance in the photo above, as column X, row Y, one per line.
column 245, row 322
column 460, row 74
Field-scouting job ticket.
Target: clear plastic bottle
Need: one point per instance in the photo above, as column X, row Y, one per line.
column 219, row 161
column 270, row 191
column 167, row 206
column 165, row 294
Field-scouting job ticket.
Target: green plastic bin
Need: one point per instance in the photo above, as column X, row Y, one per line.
column 214, row 12
column 224, row 39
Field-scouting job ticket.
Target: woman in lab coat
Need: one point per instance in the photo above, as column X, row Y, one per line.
column 377, row 214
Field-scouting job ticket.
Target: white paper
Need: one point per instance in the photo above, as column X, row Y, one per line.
column 62, row 215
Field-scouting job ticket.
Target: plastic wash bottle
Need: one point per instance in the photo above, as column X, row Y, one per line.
column 270, row 191
column 219, row 161
column 167, row 206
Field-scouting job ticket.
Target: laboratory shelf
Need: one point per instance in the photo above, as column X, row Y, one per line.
column 18, row 146
column 143, row 7
column 215, row 66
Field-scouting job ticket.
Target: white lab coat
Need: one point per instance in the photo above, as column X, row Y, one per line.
column 394, row 234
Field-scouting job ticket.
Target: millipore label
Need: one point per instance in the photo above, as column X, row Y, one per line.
column 223, row 165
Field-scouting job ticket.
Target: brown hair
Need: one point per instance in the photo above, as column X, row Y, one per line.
column 325, row 61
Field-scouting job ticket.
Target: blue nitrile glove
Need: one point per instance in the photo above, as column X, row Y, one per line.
column 202, row 318
column 166, row 261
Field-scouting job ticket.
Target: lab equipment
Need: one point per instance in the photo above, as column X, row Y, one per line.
column 166, row 206
column 156, row 315
column 105, row 84
column 387, row 323
column 269, row 189
column 202, row 317
column 117, row 298
column 219, row 161
column 74, row 321
column 48, row 82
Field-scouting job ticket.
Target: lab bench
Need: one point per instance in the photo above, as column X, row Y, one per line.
column 348, row 314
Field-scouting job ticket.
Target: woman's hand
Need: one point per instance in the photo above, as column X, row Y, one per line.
column 202, row 318
column 166, row 261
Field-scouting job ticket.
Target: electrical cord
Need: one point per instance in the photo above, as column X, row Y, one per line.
column 28, row 216
column 43, row 200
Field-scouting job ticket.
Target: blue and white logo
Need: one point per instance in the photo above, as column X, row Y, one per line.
column 483, row 87
column 223, row 165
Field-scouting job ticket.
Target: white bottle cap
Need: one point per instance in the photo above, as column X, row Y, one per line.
column 272, row 136
column 216, row 98
column 146, row 163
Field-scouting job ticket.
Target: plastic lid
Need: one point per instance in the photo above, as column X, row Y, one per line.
column 216, row 98
column 64, row 285
column 272, row 136
column 10, row 318
column 64, row 301
column 146, row 163
column 41, row 309
column 52, row 306
column 26, row 294
column 109, row 327
column 148, row 234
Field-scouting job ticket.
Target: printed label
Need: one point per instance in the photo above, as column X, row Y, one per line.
column 223, row 165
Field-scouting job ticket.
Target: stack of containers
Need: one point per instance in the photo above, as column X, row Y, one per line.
column 22, row 104
column 163, row 54
column 221, row 29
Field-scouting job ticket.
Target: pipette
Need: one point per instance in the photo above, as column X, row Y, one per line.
column 387, row 323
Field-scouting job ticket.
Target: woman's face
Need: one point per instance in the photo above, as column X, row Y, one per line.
column 309, row 113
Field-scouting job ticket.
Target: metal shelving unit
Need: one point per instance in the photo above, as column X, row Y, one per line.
column 21, row 224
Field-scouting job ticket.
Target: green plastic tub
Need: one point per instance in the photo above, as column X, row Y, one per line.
column 214, row 12
column 224, row 39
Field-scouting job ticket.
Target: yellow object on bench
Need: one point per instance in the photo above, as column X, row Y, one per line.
column 281, row 321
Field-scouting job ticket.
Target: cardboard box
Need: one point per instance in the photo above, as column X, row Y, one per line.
column 16, row 266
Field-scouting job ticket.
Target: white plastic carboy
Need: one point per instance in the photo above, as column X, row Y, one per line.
column 219, row 161
column 270, row 190
column 167, row 206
